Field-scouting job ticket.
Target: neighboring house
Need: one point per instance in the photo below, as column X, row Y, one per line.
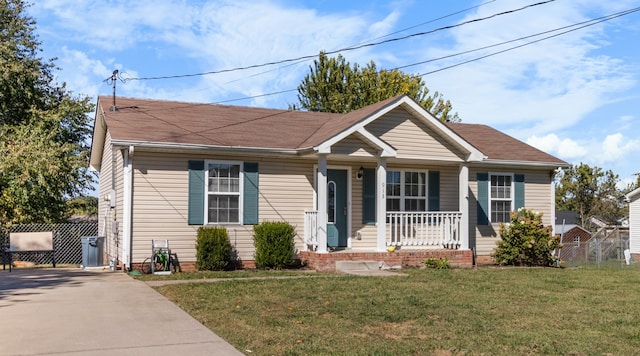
column 389, row 174
column 574, row 239
column 634, row 223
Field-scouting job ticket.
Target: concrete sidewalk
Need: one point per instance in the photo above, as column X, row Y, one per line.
column 71, row 311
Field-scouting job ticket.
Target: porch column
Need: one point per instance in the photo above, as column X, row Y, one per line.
column 463, row 199
column 381, row 204
column 321, row 180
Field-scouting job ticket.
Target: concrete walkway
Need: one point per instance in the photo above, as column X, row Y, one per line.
column 71, row 311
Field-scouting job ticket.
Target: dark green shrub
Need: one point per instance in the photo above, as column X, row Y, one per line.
column 526, row 241
column 274, row 242
column 213, row 249
column 437, row 263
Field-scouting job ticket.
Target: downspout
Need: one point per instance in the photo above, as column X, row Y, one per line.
column 127, row 206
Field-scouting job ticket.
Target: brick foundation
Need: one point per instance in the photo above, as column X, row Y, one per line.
column 326, row 262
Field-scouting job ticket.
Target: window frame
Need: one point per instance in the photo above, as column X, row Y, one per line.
column 492, row 199
column 403, row 197
column 239, row 194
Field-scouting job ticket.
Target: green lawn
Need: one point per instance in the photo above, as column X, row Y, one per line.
column 509, row 311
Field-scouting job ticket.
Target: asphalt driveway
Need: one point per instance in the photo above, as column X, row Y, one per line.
column 73, row 311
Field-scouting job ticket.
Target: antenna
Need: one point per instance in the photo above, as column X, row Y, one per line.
column 112, row 80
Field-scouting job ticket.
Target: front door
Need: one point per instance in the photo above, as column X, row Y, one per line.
column 337, row 208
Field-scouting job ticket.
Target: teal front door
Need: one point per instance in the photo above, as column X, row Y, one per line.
column 337, row 208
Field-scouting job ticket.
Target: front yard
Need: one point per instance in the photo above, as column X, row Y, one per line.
column 582, row 311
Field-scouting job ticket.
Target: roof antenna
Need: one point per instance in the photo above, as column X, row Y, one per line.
column 112, row 80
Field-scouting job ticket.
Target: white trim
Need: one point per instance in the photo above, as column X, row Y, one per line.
column 349, row 197
column 512, row 191
column 403, row 196
column 127, row 207
column 240, row 192
column 387, row 151
column 321, row 187
column 381, row 204
column 463, row 201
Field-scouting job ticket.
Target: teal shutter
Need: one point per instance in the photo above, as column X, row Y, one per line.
column 250, row 194
column 369, row 196
column 518, row 187
column 195, row 205
column 483, row 198
column 433, row 203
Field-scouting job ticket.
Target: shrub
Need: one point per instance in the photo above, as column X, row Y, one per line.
column 213, row 249
column 274, row 245
column 525, row 241
column 437, row 263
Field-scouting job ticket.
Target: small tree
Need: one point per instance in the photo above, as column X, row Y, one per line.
column 526, row 241
column 274, row 244
column 213, row 249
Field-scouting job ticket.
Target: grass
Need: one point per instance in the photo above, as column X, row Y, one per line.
column 491, row 311
column 245, row 273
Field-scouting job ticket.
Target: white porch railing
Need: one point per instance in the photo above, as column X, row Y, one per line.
column 423, row 229
column 311, row 230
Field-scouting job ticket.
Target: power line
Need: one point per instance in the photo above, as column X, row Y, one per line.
column 584, row 24
column 373, row 39
column 607, row 18
column 351, row 48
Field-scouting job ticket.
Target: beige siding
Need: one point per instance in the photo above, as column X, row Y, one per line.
column 110, row 177
column 411, row 138
column 538, row 191
column 161, row 198
column 353, row 146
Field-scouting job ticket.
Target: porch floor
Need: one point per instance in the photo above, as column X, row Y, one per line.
column 405, row 258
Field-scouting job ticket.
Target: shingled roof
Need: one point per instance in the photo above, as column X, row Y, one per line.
column 179, row 123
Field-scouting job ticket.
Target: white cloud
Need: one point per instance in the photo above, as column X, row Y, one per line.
column 609, row 152
column 566, row 148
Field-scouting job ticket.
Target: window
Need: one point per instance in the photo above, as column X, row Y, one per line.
column 576, row 240
column 501, row 199
column 223, row 192
column 331, row 202
column 406, row 191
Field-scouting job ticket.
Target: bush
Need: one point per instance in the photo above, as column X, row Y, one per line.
column 525, row 241
column 274, row 245
column 437, row 263
column 213, row 249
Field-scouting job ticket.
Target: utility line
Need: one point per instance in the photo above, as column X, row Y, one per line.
column 584, row 24
column 351, row 48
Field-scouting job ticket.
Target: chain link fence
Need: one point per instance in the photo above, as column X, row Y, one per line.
column 67, row 240
column 605, row 247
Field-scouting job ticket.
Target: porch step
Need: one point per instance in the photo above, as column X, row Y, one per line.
column 367, row 268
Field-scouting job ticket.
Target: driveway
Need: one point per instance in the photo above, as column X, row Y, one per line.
column 72, row 311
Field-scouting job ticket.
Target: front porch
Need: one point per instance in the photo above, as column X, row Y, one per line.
column 415, row 237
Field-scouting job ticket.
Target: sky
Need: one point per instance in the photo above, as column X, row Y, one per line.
column 575, row 95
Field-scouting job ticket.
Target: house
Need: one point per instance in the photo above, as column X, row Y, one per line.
column 634, row 223
column 574, row 239
column 389, row 174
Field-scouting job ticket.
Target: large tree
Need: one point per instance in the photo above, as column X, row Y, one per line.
column 43, row 127
column 333, row 85
column 590, row 192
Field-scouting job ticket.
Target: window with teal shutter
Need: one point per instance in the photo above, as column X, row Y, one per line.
column 250, row 194
column 434, row 191
column 483, row 198
column 195, row 210
column 369, row 196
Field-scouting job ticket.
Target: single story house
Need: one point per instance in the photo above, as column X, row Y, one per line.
column 389, row 174
column 634, row 223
